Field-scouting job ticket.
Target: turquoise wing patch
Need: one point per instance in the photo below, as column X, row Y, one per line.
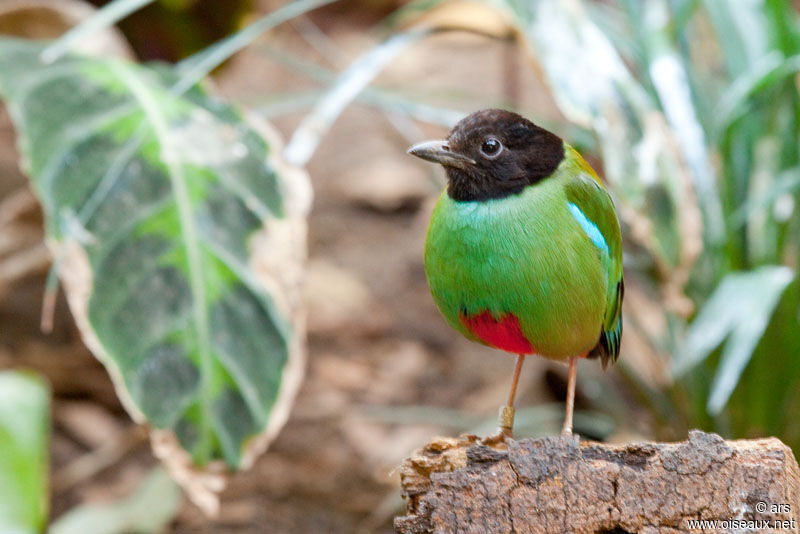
column 589, row 227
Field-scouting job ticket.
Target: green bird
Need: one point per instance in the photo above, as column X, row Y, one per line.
column 523, row 252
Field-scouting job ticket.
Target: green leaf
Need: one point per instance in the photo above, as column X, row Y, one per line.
column 740, row 310
column 649, row 140
column 742, row 32
column 194, row 68
column 24, row 442
column 769, row 70
column 177, row 237
column 148, row 510
column 106, row 16
column 350, row 83
column 671, row 82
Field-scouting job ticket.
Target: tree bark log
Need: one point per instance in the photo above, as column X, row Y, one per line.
column 560, row 485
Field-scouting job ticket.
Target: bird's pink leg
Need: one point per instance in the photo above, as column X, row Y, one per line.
column 566, row 430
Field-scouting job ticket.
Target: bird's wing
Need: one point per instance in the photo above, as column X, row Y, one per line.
column 589, row 195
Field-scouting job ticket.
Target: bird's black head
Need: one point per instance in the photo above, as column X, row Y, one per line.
column 493, row 154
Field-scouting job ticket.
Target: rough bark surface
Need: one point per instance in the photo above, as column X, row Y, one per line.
column 560, row 485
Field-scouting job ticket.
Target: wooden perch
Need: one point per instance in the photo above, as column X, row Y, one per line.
column 559, row 485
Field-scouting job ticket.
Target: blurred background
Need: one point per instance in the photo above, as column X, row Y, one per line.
column 688, row 109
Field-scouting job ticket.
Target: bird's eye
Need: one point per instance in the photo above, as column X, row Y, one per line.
column 491, row 147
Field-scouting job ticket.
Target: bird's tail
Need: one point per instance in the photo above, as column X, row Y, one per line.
column 607, row 348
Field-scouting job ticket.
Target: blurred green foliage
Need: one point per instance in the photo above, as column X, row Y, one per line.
column 24, row 460
column 148, row 509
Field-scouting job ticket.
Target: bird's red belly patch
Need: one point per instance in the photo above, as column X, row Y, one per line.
column 504, row 333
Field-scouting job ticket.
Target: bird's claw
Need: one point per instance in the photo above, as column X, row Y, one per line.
column 501, row 437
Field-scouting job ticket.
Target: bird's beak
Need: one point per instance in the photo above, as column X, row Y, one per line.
column 439, row 152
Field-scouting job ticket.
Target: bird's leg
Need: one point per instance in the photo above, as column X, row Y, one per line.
column 507, row 411
column 506, row 418
column 566, row 430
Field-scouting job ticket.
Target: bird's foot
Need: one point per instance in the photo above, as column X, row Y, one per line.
column 569, row 436
column 506, row 425
column 501, row 437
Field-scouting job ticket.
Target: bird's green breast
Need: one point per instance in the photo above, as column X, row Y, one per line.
column 525, row 255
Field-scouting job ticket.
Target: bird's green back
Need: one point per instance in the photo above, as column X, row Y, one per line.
column 599, row 208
